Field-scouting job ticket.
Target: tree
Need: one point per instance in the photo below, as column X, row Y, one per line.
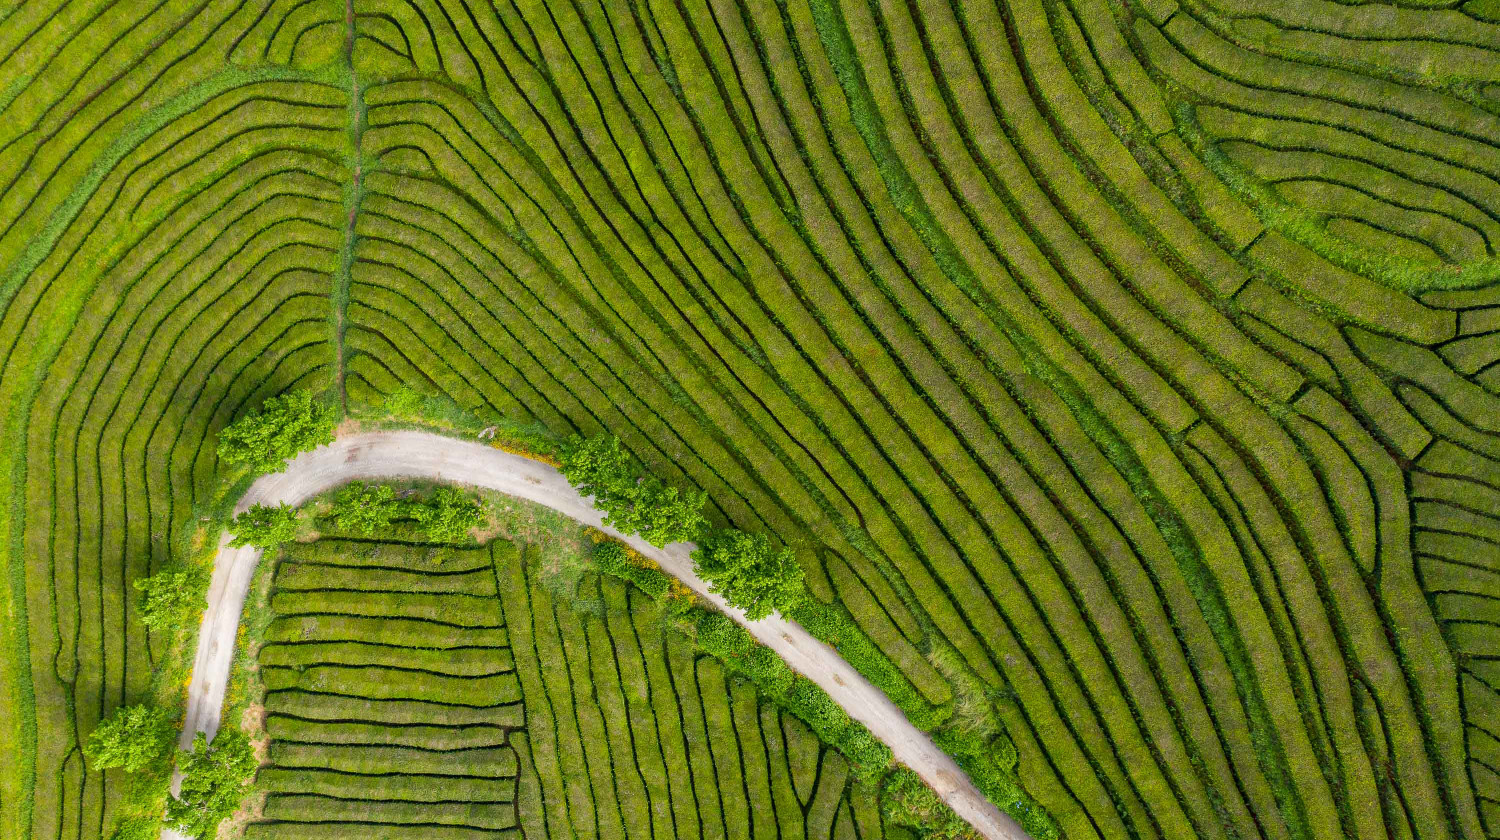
column 749, row 573
column 367, row 508
column 647, row 506
column 283, row 427
column 213, row 782
column 171, row 595
column 449, row 515
column 598, row 467
column 264, row 526
column 133, row 738
column 661, row 513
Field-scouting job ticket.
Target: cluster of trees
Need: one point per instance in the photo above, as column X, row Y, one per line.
column 447, row 514
column 746, row 569
column 138, row 739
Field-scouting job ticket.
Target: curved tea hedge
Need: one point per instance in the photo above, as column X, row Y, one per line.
column 514, row 711
column 1127, row 371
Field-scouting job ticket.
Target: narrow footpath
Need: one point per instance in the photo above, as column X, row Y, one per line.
column 423, row 455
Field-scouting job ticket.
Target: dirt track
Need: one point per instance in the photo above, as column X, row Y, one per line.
column 423, row 455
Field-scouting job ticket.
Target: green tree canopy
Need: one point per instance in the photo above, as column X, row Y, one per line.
column 283, row 427
column 598, row 467
column 133, row 738
column 449, row 514
column 264, row 526
column 749, row 573
column 657, row 511
column 368, row 508
column 171, row 596
column 213, row 782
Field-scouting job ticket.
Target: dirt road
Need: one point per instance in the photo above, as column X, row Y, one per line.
column 410, row 454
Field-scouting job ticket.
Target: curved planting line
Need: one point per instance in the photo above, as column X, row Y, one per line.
column 411, row 454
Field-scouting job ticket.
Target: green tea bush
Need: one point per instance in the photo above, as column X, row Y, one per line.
column 721, row 637
column 614, row 559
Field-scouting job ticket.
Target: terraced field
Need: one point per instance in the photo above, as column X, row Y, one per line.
column 423, row 692
column 1128, row 370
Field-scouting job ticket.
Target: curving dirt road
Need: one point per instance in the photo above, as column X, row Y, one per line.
column 411, row 454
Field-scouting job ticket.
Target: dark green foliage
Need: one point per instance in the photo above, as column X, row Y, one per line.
column 264, row 526
column 869, row 756
column 721, row 637
column 658, row 512
column 811, row 703
column 598, row 467
column 768, row 670
column 133, row 738
column 448, row 515
column 908, row 801
column 283, row 427
column 172, row 596
column 214, row 777
column 749, row 573
column 366, row 508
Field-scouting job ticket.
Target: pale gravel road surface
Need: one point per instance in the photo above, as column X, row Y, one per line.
column 411, row 454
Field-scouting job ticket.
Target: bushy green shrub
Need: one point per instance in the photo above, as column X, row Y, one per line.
column 279, row 430
column 721, row 637
column 613, row 558
column 264, row 526
column 132, row 738
column 749, row 573
column 213, row 782
column 649, row 507
column 171, row 596
column 367, row 508
column 811, row 703
column 907, row 800
column 768, row 671
column 660, row 513
column 448, row 514
column 868, row 755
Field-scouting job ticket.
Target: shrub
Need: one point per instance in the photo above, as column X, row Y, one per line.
column 264, row 526
column 809, row 702
column 133, row 738
column 907, row 800
column 749, row 573
column 613, row 558
column 448, row 515
column 283, row 427
column 649, row 507
column 721, row 637
column 868, row 754
column 367, row 508
column 213, row 782
column 768, row 671
column 660, row 513
column 171, row 596
column 598, row 467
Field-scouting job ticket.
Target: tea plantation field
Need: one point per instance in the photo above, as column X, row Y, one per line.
column 1126, row 371
column 428, row 692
